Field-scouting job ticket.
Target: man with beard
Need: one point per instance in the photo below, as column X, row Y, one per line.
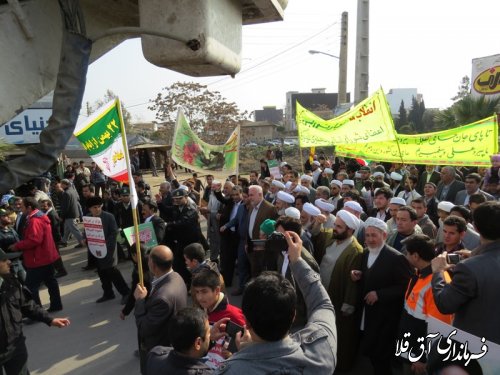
column 164, row 200
column 383, row 295
column 190, row 336
column 342, row 254
column 409, row 193
column 283, row 201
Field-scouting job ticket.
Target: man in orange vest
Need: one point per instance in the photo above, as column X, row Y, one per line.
column 419, row 304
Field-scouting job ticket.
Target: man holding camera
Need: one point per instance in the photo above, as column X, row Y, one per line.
column 269, row 308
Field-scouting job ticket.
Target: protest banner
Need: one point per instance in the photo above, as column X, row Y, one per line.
column 274, row 168
column 147, row 235
column 369, row 121
column 469, row 145
column 95, row 236
column 189, row 151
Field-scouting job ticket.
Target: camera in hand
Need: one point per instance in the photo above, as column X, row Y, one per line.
column 454, row 258
column 276, row 242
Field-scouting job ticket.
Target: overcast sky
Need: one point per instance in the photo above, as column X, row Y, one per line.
column 427, row 45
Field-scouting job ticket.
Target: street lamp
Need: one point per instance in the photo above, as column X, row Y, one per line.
column 342, row 91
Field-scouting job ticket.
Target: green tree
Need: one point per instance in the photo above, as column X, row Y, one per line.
column 416, row 113
column 209, row 114
column 109, row 96
column 463, row 89
column 467, row 110
column 403, row 118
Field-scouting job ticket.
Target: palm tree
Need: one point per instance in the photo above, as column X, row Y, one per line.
column 466, row 111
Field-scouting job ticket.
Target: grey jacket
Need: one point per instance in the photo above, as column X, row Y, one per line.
column 312, row 350
column 472, row 294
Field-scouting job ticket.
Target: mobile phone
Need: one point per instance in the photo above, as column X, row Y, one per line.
column 453, row 258
column 232, row 329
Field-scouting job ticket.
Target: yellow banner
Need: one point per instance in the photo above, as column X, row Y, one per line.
column 469, row 145
column 369, row 121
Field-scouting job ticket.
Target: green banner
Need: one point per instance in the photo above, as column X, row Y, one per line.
column 469, row 145
column 147, row 234
column 191, row 152
column 369, row 121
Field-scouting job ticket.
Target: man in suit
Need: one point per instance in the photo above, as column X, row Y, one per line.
column 381, row 203
column 261, row 210
column 154, row 312
column 106, row 266
column 150, row 214
column 383, row 295
column 449, row 186
column 472, row 294
column 70, row 211
column 429, row 175
column 472, row 182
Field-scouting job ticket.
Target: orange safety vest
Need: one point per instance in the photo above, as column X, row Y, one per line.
column 419, row 302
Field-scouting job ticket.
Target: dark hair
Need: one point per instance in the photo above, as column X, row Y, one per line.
column 473, row 176
column 432, row 184
column 91, row 187
column 162, row 264
column 47, row 201
column 186, row 326
column 422, row 245
column 255, row 173
column 244, row 181
column 463, row 211
column 30, row 202
column 151, row 204
column 195, row 251
column 206, row 278
column 456, row 221
column 304, row 198
column 269, row 305
column 386, row 192
column 295, row 173
column 411, row 211
column 477, row 198
column 487, row 220
column 69, row 175
column 413, row 179
column 419, row 200
column 289, row 224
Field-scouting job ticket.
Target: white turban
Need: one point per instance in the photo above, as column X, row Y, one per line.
column 301, row 189
column 378, row 174
column 328, row 171
column 396, row 176
column 285, row 197
column 445, row 206
column 278, row 184
column 324, row 205
column 348, row 182
column 306, row 177
column 316, row 163
column 376, row 223
column 292, row 212
column 311, row 209
column 397, row 200
column 349, row 219
column 336, row 182
column 353, row 205
column 288, row 184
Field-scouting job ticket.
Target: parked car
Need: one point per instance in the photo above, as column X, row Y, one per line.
column 250, row 144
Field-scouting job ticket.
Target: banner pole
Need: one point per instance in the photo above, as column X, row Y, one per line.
column 238, row 161
column 134, row 209
column 300, row 143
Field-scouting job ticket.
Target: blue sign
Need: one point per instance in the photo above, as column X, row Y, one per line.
column 26, row 127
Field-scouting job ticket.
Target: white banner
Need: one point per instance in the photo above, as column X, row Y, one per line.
column 26, row 127
column 95, row 236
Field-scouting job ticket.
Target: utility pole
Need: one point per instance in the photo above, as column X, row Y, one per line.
column 343, row 60
column 362, row 51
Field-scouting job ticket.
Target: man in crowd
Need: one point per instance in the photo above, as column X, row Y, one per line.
column 383, row 294
column 409, row 193
column 106, row 266
column 335, row 196
column 429, row 175
column 454, row 228
column 406, row 219
column 423, row 220
column 39, row 254
column 396, row 181
column 167, row 296
column 261, row 210
column 14, row 304
column 269, row 307
column 431, row 202
column 449, row 186
column 70, row 211
column 472, row 294
column 381, row 203
column 472, row 183
column 164, row 201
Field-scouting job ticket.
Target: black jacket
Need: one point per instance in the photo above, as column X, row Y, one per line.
column 14, row 305
column 165, row 360
column 70, row 207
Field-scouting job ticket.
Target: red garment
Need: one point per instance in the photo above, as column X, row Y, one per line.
column 226, row 310
column 38, row 245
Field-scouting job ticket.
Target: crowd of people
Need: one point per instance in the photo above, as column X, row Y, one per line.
column 338, row 261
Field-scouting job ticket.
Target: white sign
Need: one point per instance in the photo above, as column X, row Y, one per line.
column 95, row 236
column 26, row 127
column 485, row 79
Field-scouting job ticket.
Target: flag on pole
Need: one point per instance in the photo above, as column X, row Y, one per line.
column 191, row 152
column 103, row 137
